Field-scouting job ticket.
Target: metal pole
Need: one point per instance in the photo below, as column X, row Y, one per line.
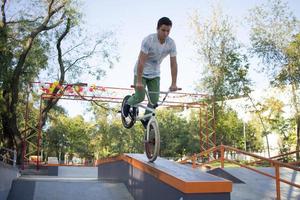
column 23, row 152
column 194, row 161
column 26, row 127
column 39, row 134
column 222, row 156
column 207, row 135
column 277, row 172
column 214, row 123
column 214, row 127
column 15, row 158
column 244, row 131
column 200, row 129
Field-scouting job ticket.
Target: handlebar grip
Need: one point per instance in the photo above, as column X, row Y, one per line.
column 76, row 84
column 133, row 86
column 175, row 90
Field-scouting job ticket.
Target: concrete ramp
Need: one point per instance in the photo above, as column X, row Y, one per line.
column 126, row 177
column 258, row 186
column 72, row 171
column 163, row 179
column 79, row 172
column 49, row 188
column 224, row 174
column 7, row 174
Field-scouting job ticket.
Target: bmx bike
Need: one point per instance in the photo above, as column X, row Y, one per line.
column 152, row 135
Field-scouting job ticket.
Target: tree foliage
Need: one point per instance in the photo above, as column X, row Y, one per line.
column 225, row 67
column 30, row 33
column 272, row 28
column 274, row 39
column 231, row 132
column 277, row 121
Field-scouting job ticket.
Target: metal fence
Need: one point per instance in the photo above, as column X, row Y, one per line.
column 8, row 156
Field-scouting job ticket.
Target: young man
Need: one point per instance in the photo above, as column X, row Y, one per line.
column 155, row 47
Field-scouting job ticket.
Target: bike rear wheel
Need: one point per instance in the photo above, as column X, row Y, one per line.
column 128, row 121
column 152, row 140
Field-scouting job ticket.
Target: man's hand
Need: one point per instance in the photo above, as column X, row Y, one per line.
column 173, row 63
column 173, row 88
column 139, row 86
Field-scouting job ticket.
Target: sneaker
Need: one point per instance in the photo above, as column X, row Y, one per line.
column 145, row 123
column 126, row 109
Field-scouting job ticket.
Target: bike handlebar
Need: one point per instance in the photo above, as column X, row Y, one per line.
column 164, row 98
column 76, row 84
column 133, row 86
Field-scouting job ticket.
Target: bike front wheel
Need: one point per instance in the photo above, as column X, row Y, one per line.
column 152, row 140
column 129, row 120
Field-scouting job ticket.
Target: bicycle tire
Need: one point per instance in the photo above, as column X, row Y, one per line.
column 152, row 140
column 128, row 121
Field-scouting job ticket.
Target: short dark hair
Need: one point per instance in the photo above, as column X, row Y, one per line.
column 164, row 21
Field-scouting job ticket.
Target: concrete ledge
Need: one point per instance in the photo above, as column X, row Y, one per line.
column 80, row 172
column 163, row 179
column 73, row 171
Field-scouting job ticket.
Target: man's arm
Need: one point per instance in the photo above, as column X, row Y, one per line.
column 140, row 68
column 173, row 62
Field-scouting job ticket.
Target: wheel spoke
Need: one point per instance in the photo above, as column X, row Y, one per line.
column 152, row 144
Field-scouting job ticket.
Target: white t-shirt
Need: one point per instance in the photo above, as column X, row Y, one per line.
column 156, row 53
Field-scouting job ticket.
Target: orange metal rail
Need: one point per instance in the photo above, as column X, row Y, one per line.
column 279, row 157
column 223, row 148
column 93, row 93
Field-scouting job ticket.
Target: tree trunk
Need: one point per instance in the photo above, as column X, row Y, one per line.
column 11, row 135
column 10, row 74
column 298, row 137
column 297, row 116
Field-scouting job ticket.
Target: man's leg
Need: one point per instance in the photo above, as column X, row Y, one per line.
column 138, row 97
column 153, row 86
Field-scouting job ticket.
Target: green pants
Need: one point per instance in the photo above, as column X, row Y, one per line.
column 139, row 96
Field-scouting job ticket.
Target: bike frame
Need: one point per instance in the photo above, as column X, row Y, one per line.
column 152, row 145
column 152, row 110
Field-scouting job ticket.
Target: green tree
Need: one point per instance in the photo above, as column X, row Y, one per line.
column 275, row 121
column 273, row 39
column 230, row 129
column 174, row 133
column 110, row 138
column 193, row 130
column 35, row 28
column 69, row 135
column 225, row 66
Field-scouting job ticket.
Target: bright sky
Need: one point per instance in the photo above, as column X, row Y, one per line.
column 135, row 19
